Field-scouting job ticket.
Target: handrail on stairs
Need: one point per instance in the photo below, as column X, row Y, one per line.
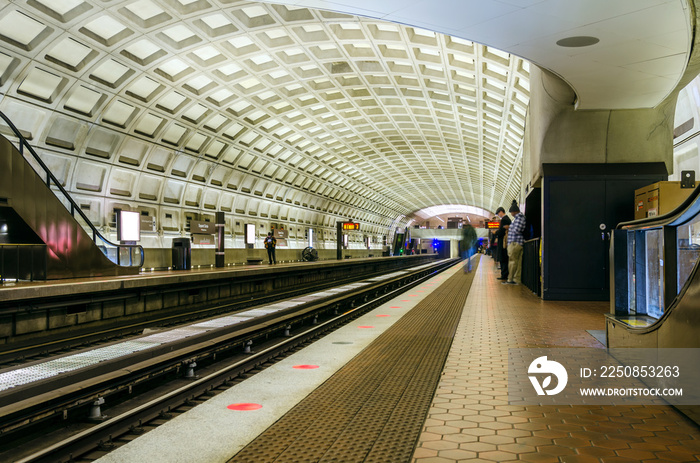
column 104, row 244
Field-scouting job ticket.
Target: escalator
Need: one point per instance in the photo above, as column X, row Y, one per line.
column 39, row 217
column 655, row 282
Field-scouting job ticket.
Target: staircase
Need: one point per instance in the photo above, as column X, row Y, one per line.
column 35, row 210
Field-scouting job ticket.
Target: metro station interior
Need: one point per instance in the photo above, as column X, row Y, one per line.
column 150, row 150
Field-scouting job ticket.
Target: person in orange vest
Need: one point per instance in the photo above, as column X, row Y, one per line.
column 270, row 245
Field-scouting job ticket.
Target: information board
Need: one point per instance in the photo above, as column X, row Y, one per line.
column 202, row 228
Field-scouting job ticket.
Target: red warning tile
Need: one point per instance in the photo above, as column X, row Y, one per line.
column 365, row 326
column 382, row 315
column 305, row 367
column 244, row 406
column 395, row 307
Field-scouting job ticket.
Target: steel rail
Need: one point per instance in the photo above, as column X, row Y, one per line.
column 9, row 353
column 106, row 431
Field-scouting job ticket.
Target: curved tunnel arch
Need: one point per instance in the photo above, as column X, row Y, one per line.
column 217, row 106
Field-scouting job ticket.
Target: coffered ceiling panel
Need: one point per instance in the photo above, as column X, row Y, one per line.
column 372, row 112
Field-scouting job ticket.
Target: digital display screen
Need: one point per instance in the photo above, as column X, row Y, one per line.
column 250, row 233
column 351, row 226
column 492, row 225
column 128, row 226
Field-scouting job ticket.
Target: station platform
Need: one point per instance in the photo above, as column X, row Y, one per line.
column 422, row 378
column 23, row 290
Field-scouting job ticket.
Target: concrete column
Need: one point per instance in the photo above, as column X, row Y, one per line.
column 557, row 133
column 454, row 248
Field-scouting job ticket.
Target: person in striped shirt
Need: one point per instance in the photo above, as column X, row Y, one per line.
column 515, row 245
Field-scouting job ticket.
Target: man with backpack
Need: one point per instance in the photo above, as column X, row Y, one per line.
column 270, row 245
column 502, row 255
column 516, row 240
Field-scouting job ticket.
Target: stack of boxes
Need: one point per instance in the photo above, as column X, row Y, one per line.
column 659, row 198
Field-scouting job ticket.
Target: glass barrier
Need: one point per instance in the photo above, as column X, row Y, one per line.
column 632, row 274
column 688, row 250
column 653, row 252
column 645, row 279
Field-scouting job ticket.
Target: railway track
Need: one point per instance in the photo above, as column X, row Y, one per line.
column 148, row 390
column 15, row 355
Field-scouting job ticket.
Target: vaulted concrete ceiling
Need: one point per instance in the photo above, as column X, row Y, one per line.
column 642, row 51
column 383, row 117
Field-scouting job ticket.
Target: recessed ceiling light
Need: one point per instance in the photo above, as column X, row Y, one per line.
column 578, row 41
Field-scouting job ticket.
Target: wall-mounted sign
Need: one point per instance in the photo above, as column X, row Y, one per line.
column 202, row 228
column 351, row 226
column 203, row 239
column 279, row 233
column 148, row 223
column 128, row 226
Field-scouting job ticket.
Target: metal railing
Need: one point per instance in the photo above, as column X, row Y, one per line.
column 121, row 254
column 531, row 266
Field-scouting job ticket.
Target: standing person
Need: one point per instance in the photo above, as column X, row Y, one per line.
column 515, row 245
column 469, row 242
column 493, row 246
column 270, row 245
column 501, row 236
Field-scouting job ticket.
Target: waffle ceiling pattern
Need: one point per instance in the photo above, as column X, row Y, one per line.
column 360, row 111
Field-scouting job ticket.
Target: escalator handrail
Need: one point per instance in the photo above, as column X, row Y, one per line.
column 74, row 206
column 681, row 214
column 686, row 211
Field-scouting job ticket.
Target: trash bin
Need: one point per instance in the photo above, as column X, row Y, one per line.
column 182, row 254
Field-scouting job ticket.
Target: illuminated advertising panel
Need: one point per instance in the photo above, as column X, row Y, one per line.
column 250, row 233
column 128, row 226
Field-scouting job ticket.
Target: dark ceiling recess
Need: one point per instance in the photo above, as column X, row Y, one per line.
column 578, row 41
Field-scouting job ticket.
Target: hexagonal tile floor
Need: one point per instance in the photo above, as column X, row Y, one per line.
column 470, row 419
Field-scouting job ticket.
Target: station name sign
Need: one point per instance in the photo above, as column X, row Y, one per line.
column 351, row 226
column 202, row 228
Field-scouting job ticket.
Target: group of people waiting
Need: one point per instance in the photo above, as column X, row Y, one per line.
column 510, row 241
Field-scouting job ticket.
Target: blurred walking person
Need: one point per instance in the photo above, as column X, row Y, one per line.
column 468, row 244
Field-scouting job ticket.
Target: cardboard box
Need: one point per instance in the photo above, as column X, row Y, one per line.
column 640, row 203
column 659, row 198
